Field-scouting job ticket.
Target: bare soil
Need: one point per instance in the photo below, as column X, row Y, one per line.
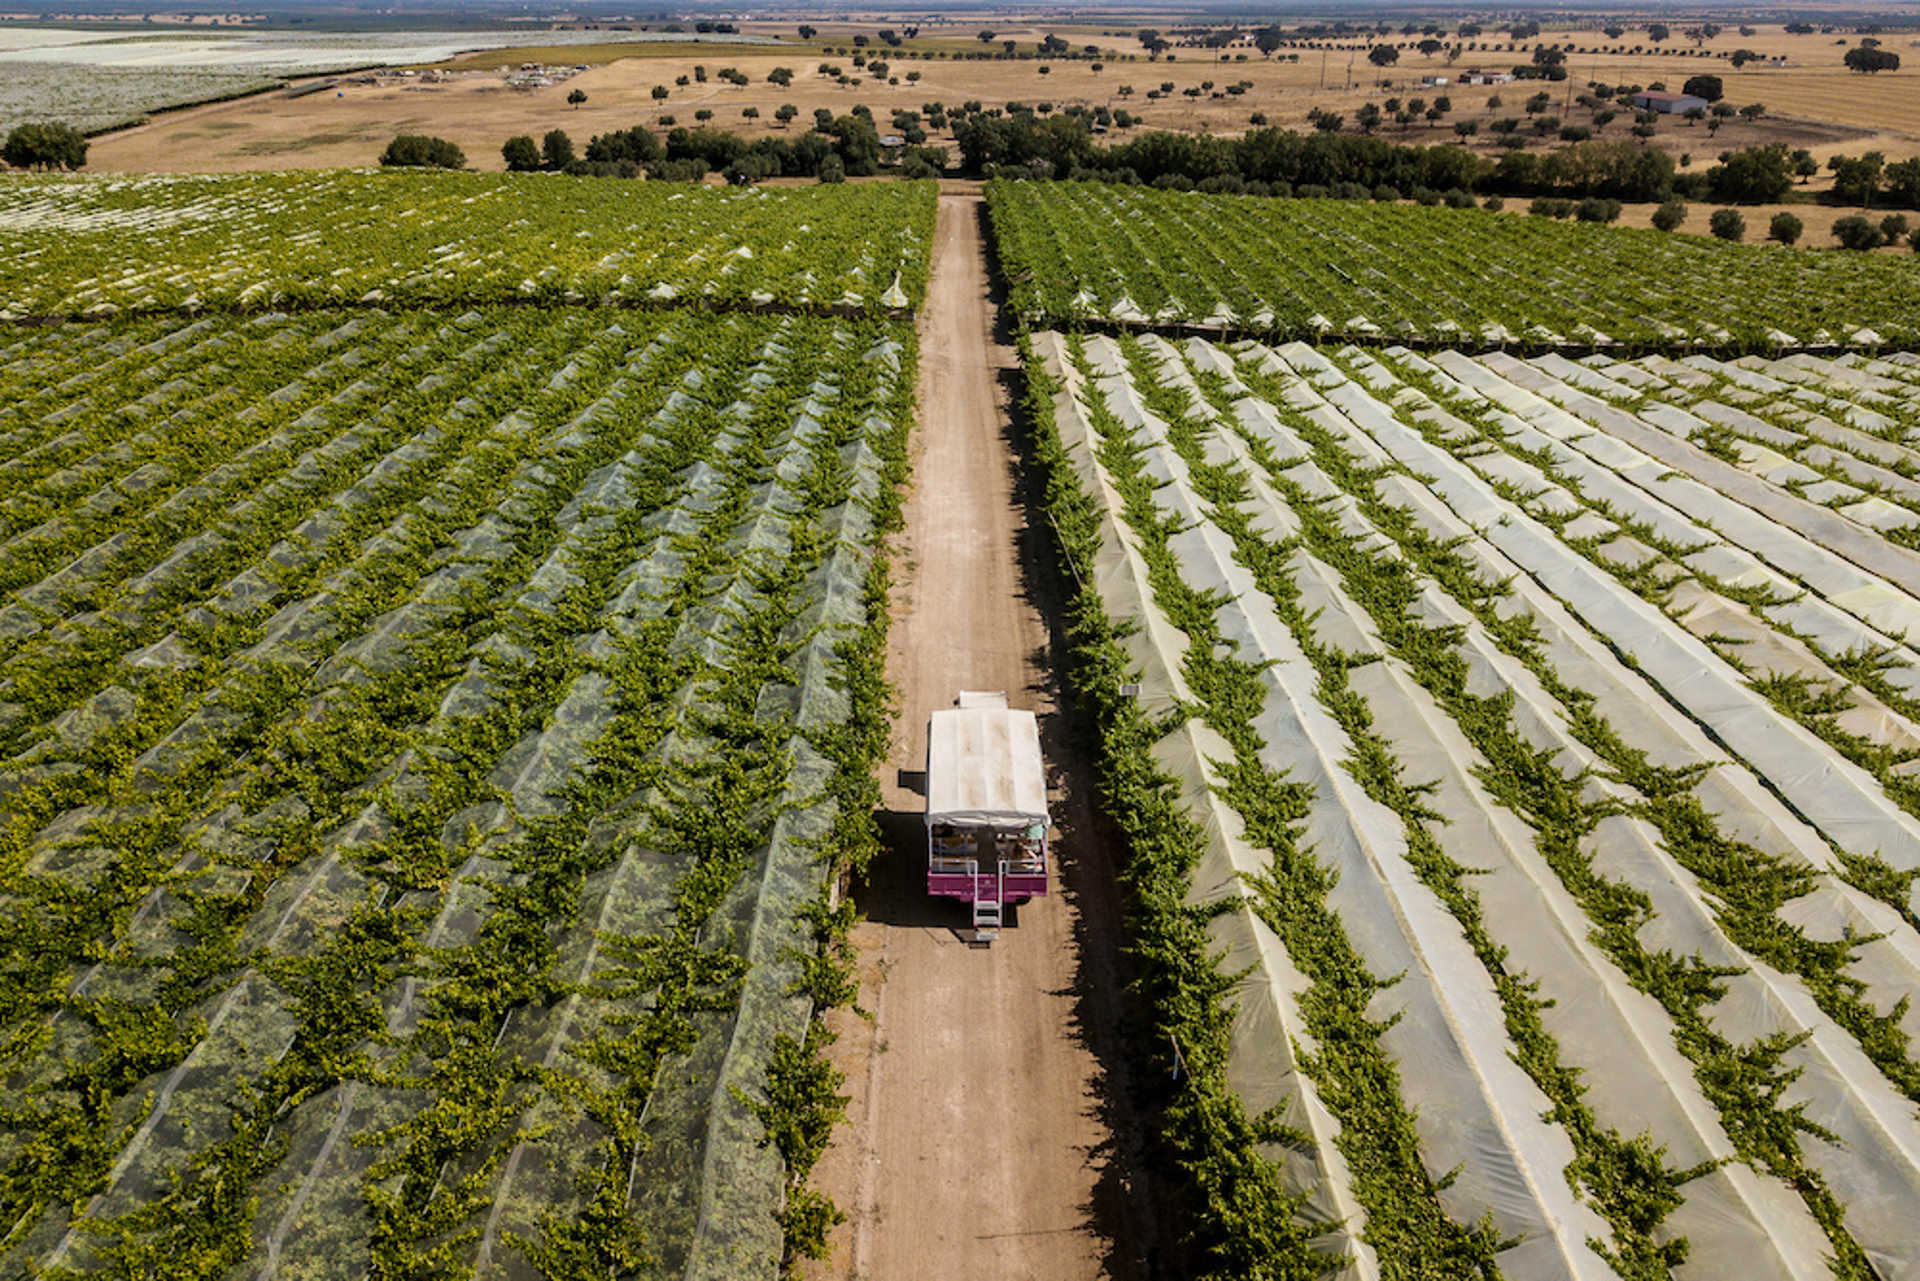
column 989, row 1131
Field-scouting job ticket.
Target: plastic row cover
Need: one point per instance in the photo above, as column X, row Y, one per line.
column 1155, row 648
column 1876, row 1172
column 1736, row 1222
column 1261, row 1068
column 1473, row 1107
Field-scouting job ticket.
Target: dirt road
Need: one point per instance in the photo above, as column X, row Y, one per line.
column 988, row 1134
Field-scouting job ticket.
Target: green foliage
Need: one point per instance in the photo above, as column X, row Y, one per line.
column 470, row 240
column 412, row 150
column 394, row 440
column 45, row 146
column 1857, row 233
column 1313, row 270
column 1705, row 86
column 521, row 153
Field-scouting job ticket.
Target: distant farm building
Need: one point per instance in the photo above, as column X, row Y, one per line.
column 1671, row 103
column 1486, row 78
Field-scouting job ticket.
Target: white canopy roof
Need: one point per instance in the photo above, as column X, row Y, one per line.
column 983, row 766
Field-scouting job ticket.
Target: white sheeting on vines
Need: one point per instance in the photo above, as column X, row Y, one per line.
column 1875, row 1170
column 1475, row 1109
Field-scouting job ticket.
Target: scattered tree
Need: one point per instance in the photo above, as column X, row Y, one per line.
column 1856, row 179
column 521, row 154
column 1856, row 232
column 1785, row 228
column 1704, row 86
column 556, row 149
column 577, row 97
column 1727, row 224
column 1669, row 215
column 45, row 146
column 1752, row 176
column 1871, row 60
column 1383, row 55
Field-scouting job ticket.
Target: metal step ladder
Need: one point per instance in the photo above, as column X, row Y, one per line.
column 987, row 911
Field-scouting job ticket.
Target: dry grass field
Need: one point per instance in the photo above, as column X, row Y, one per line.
column 1812, row 101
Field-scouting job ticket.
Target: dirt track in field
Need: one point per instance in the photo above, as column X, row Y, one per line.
column 988, row 1132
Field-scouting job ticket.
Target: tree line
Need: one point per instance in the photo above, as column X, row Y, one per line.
column 1275, row 161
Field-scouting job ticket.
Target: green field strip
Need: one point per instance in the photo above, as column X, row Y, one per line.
column 247, row 242
column 1367, row 272
column 1274, row 1191
column 433, row 716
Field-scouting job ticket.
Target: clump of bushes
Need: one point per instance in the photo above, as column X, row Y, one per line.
column 1597, row 209
column 418, row 151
